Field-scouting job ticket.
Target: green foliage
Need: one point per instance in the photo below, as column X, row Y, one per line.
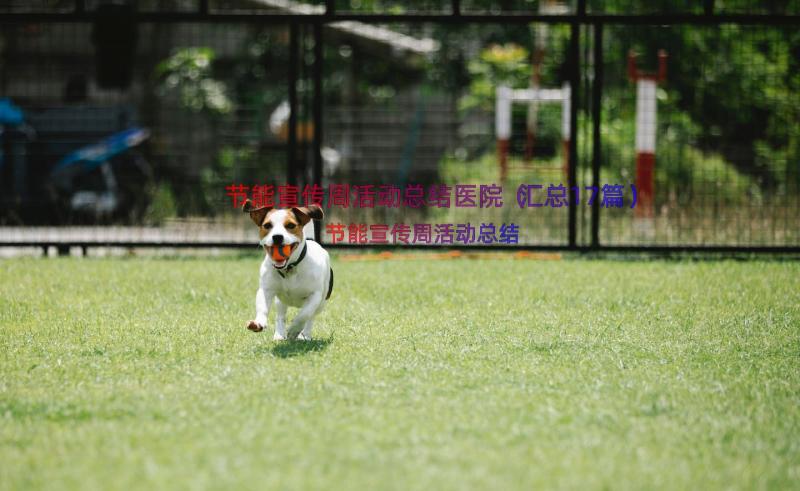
column 682, row 168
column 388, row 6
column 188, row 72
column 258, row 78
column 496, row 65
column 730, row 93
column 736, row 82
column 162, row 205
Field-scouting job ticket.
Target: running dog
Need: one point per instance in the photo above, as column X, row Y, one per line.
column 296, row 271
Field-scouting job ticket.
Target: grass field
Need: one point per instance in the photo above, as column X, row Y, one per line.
column 492, row 374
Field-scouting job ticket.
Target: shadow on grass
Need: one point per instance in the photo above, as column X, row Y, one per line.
column 289, row 349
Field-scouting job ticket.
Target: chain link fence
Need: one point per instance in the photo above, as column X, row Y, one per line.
column 634, row 125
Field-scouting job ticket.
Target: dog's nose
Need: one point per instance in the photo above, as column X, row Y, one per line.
column 277, row 239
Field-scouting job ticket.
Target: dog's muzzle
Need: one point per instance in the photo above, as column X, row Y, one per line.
column 278, row 253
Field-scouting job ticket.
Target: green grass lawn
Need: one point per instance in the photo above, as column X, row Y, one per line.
column 495, row 374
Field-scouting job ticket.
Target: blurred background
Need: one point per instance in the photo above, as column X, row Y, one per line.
column 142, row 123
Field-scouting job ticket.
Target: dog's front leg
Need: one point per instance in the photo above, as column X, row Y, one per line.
column 280, row 320
column 264, row 300
column 306, row 312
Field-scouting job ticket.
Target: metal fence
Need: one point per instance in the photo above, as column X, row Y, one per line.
column 244, row 98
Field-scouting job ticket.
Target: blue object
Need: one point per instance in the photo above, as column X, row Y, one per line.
column 94, row 155
column 10, row 113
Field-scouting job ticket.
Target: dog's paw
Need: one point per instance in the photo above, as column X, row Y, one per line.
column 278, row 337
column 254, row 326
column 303, row 337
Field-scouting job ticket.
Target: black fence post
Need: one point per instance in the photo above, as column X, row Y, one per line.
column 291, row 163
column 316, row 171
column 597, row 120
column 574, row 60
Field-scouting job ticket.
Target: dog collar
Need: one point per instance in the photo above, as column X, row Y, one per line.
column 290, row 267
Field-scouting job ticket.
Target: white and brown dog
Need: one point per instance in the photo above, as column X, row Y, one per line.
column 295, row 272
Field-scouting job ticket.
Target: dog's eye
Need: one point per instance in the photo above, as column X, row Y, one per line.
column 267, row 225
column 290, row 226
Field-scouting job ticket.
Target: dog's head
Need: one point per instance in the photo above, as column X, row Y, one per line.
column 281, row 229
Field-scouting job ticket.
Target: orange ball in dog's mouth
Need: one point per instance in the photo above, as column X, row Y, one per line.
column 280, row 253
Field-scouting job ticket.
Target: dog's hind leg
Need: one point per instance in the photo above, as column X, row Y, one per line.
column 280, row 320
column 306, row 313
column 305, row 334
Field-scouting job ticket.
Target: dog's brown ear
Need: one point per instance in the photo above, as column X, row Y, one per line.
column 315, row 212
column 306, row 213
column 256, row 214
